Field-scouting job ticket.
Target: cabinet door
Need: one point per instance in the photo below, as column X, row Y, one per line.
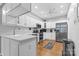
column 28, row 48
column 14, row 51
column 11, row 20
column 33, row 48
column 24, row 49
column 5, row 46
column 6, row 8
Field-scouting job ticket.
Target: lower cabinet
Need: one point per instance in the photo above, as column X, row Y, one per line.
column 5, row 46
column 28, row 48
column 12, row 47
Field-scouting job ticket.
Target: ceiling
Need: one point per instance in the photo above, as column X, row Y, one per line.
column 44, row 11
column 50, row 10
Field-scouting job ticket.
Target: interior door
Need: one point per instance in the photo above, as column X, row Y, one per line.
column 62, row 31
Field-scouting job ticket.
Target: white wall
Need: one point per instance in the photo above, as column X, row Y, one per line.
column 73, row 28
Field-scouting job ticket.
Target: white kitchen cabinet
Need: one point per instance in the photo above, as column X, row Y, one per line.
column 28, row 48
column 11, row 12
column 30, row 21
column 5, row 18
column 11, row 47
column 5, row 46
column 48, row 35
column 27, row 21
column 20, row 9
column 11, row 20
column 50, row 25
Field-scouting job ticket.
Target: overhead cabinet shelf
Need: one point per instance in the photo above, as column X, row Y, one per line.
column 19, row 10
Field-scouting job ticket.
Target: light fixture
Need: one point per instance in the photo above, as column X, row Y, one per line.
column 61, row 6
column 36, row 7
column 4, row 12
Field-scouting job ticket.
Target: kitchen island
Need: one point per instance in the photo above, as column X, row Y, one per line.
column 18, row 45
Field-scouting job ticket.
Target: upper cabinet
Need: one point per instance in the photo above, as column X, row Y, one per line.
column 19, row 10
column 16, row 14
column 12, row 11
column 27, row 21
column 6, row 19
column 8, row 7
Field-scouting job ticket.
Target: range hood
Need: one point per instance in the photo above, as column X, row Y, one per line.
column 19, row 10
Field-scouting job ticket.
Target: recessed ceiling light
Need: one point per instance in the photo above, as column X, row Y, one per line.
column 45, row 15
column 36, row 7
column 61, row 6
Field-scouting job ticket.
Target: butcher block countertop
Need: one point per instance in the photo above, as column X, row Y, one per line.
column 56, row 50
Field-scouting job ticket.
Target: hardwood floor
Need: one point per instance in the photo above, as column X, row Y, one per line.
column 56, row 50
